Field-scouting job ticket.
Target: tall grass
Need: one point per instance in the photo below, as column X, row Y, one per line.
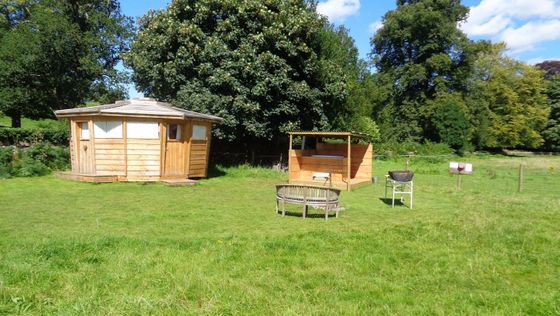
column 218, row 247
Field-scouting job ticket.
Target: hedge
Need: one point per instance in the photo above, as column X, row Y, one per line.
column 57, row 135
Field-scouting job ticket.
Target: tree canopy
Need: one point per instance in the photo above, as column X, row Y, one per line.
column 265, row 66
column 508, row 104
column 55, row 54
column 552, row 132
column 420, row 52
column 270, row 66
column 551, row 67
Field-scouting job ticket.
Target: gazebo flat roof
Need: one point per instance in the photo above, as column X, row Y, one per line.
column 328, row 134
column 137, row 107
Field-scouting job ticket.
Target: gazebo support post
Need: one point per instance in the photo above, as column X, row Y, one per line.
column 290, row 158
column 349, row 186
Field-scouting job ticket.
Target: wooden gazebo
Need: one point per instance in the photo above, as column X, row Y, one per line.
column 340, row 164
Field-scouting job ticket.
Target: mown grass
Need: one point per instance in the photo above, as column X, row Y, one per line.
column 6, row 121
column 218, row 247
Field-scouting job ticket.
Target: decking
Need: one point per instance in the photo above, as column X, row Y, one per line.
column 68, row 175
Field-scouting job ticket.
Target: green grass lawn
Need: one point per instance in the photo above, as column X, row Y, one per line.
column 6, row 121
column 218, row 247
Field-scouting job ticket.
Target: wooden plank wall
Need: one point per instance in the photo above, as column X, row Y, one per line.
column 361, row 158
column 198, row 158
column 335, row 166
column 199, row 152
column 110, row 157
column 140, row 159
column 295, row 162
column 143, row 159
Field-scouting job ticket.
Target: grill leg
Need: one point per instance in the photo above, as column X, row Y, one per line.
column 411, row 190
column 386, row 182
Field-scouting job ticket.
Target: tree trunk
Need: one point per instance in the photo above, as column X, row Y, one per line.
column 16, row 120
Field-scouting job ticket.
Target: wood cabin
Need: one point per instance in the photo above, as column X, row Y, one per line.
column 343, row 165
column 138, row 140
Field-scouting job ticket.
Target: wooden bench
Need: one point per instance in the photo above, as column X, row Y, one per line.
column 308, row 195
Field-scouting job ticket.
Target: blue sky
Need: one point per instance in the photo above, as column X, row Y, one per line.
column 530, row 28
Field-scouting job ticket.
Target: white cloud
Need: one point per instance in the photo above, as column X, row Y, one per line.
column 375, row 26
column 527, row 36
column 338, row 10
column 492, row 27
column 522, row 24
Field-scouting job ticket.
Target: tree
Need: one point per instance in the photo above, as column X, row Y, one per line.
column 450, row 120
column 551, row 67
column 54, row 53
column 551, row 134
column 507, row 99
column 260, row 64
column 420, row 52
column 341, row 55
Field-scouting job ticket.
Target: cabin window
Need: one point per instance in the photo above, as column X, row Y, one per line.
column 174, row 132
column 84, row 127
column 107, row 129
column 199, row 132
column 146, row 130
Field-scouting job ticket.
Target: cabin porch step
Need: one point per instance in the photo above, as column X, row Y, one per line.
column 179, row 182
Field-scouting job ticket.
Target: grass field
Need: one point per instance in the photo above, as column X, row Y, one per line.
column 218, row 247
column 6, row 121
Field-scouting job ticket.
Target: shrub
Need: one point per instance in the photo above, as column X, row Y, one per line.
column 27, row 167
column 37, row 160
column 395, row 149
column 57, row 133
column 6, row 161
column 54, row 157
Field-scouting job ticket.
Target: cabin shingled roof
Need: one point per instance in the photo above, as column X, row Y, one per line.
column 137, row 107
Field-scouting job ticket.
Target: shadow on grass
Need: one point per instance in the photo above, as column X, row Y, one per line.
column 309, row 215
column 215, row 172
column 389, row 201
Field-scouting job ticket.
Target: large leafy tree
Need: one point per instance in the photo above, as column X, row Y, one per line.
column 508, row 102
column 260, row 64
column 56, row 54
column 551, row 68
column 420, row 52
column 552, row 132
column 552, row 75
column 450, row 120
column 340, row 54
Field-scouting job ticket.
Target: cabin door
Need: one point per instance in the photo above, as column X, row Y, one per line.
column 85, row 148
column 175, row 159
